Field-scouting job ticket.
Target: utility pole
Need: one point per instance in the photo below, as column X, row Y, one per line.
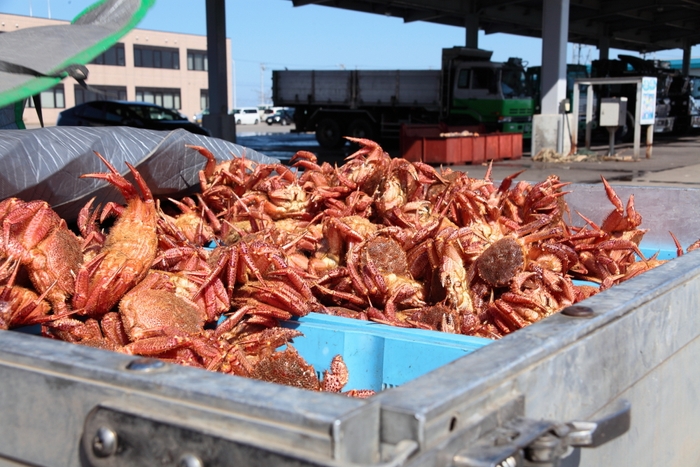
column 262, row 86
column 234, row 82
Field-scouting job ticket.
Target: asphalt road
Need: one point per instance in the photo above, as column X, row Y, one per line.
column 262, row 128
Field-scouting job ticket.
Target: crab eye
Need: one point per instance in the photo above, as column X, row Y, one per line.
column 500, row 262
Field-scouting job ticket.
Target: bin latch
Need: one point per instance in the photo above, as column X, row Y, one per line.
column 523, row 442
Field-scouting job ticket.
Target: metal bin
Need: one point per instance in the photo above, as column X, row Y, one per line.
column 633, row 346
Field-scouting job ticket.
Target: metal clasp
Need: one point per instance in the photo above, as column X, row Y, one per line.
column 522, row 442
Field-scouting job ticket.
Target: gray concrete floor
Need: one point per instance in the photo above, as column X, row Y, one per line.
column 675, row 161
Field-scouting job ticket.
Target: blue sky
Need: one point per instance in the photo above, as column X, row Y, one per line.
column 272, row 34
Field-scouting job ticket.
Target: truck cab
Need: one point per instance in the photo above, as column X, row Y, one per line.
column 484, row 92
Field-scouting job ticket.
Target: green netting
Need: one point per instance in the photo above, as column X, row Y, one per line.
column 50, row 49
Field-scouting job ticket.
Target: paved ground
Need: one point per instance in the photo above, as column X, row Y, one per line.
column 262, row 128
column 674, row 161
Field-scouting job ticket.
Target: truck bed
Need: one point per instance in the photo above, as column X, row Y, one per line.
column 357, row 88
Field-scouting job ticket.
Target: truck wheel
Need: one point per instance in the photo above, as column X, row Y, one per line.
column 360, row 128
column 328, row 134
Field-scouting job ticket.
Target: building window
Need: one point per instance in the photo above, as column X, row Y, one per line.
column 197, row 60
column 165, row 97
column 100, row 93
column 156, row 57
column 51, row 98
column 204, row 99
column 113, row 56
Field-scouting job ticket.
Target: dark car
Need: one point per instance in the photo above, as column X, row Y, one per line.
column 124, row 113
column 283, row 117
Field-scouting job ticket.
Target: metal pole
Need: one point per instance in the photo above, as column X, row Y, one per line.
column 637, row 125
column 589, row 115
column 233, row 62
column 611, row 140
column 471, row 24
column 262, row 86
column 218, row 121
column 575, row 110
column 687, row 48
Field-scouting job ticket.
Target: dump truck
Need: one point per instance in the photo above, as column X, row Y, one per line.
column 574, row 71
column 675, row 111
column 469, row 89
column 684, row 101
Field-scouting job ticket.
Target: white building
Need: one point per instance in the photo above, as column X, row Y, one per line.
column 165, row 68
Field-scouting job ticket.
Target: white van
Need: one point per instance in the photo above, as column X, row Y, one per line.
column 246, row 116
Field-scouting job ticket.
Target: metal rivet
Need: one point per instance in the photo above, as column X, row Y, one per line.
column 189, row 460
column 543, row 449
column 104, row 444
column 578, row 311
column 145, row 364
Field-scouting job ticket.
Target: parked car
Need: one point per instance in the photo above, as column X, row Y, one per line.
column 125, row 113
column 282, row 117
column 264, row 113
column 198, row 117
column 247, row 116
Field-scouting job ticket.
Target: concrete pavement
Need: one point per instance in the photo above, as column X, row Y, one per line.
column 675, row 161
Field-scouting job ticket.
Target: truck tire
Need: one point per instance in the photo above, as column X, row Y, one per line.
column 360, row 128
column 328, row 134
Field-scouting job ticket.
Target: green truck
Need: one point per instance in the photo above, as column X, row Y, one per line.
column 469, row 89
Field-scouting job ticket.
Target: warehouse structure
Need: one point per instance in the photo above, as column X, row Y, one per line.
column 165, row 68
column 640, row 25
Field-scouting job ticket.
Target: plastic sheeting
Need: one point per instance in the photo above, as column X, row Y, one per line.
column 47, row 163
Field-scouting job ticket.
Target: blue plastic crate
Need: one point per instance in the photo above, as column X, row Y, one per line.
column 377, row 356
column 664, row 253
column 648, row 251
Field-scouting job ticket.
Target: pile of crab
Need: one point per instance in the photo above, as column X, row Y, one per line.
column 206, row 280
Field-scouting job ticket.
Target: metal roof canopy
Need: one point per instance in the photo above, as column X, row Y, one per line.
column 639, row 25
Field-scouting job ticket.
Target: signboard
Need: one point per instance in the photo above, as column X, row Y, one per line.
column 648, row 101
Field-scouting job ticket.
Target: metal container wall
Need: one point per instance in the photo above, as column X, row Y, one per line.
column 357, row 88
column 420, row 88
column 640, row 343
column 294, row 87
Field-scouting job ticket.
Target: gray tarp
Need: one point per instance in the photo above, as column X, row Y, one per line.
column 46, row 163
